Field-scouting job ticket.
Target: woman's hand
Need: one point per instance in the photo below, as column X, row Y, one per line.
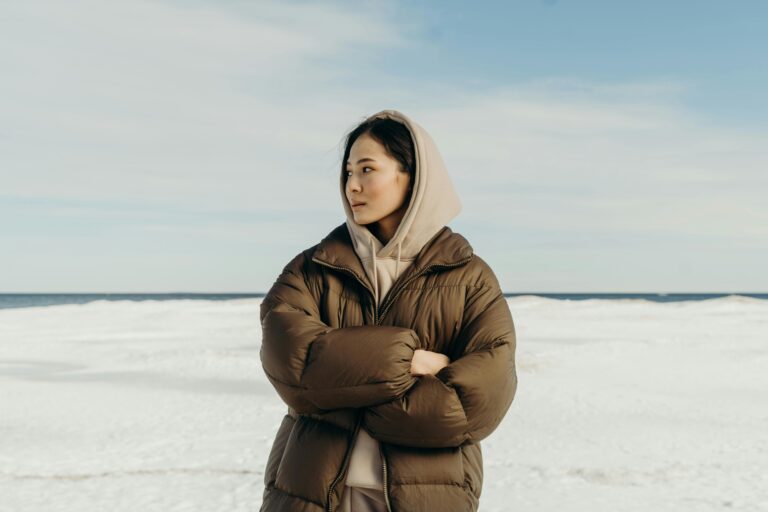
column 425, row 362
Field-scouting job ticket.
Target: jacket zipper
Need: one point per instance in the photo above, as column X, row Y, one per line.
column 351, row 272
column 376, row 316
column 386, row 305
column 384, row 469
column 344, row 464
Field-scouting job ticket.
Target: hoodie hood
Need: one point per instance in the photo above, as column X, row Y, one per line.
column 434, row 202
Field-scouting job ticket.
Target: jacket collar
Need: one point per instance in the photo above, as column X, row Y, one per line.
column 445, row 248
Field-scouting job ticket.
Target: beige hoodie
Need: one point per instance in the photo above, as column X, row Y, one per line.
column 434, row 203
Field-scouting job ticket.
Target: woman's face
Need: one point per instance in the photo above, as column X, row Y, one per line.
column 375, row 180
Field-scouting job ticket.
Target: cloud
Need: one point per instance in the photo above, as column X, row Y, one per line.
column 214, row 120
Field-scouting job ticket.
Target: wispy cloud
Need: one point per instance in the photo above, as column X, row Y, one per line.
column 605, row 159
column 156, row 100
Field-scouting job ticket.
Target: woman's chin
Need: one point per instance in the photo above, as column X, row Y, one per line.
column 363, row 219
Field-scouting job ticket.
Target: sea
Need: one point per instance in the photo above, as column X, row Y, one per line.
column 26, row 300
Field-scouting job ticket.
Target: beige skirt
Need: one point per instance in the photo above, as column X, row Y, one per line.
column 360, row 499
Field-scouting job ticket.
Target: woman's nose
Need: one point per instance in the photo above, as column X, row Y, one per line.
column 353, row 184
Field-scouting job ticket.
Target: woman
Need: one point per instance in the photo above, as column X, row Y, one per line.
column 390, row 342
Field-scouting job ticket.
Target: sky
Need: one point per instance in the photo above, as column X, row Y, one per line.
column 596, row 146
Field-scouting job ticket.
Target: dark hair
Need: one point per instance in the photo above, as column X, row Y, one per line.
column 393, row 135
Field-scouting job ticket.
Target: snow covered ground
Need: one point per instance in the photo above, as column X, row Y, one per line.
column 623, row 405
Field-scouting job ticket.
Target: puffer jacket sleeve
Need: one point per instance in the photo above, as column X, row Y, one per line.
column 314, row 367
column 467, row 399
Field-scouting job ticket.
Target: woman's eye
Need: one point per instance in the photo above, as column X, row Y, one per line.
column 349, row 173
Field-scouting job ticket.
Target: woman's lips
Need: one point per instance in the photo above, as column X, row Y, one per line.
column 358, row 205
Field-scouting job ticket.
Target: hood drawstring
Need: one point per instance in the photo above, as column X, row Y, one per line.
column 397, row 265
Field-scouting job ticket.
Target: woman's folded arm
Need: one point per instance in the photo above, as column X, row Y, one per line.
column 467, row 399
column 315, row 367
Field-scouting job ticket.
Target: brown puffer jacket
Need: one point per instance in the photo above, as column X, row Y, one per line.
column 341, row 364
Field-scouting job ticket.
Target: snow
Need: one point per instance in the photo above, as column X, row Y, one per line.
column 622, row 405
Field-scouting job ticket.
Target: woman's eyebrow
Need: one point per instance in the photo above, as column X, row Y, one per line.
column 366, row 159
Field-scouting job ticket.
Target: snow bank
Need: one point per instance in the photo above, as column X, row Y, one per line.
column 623, row 405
